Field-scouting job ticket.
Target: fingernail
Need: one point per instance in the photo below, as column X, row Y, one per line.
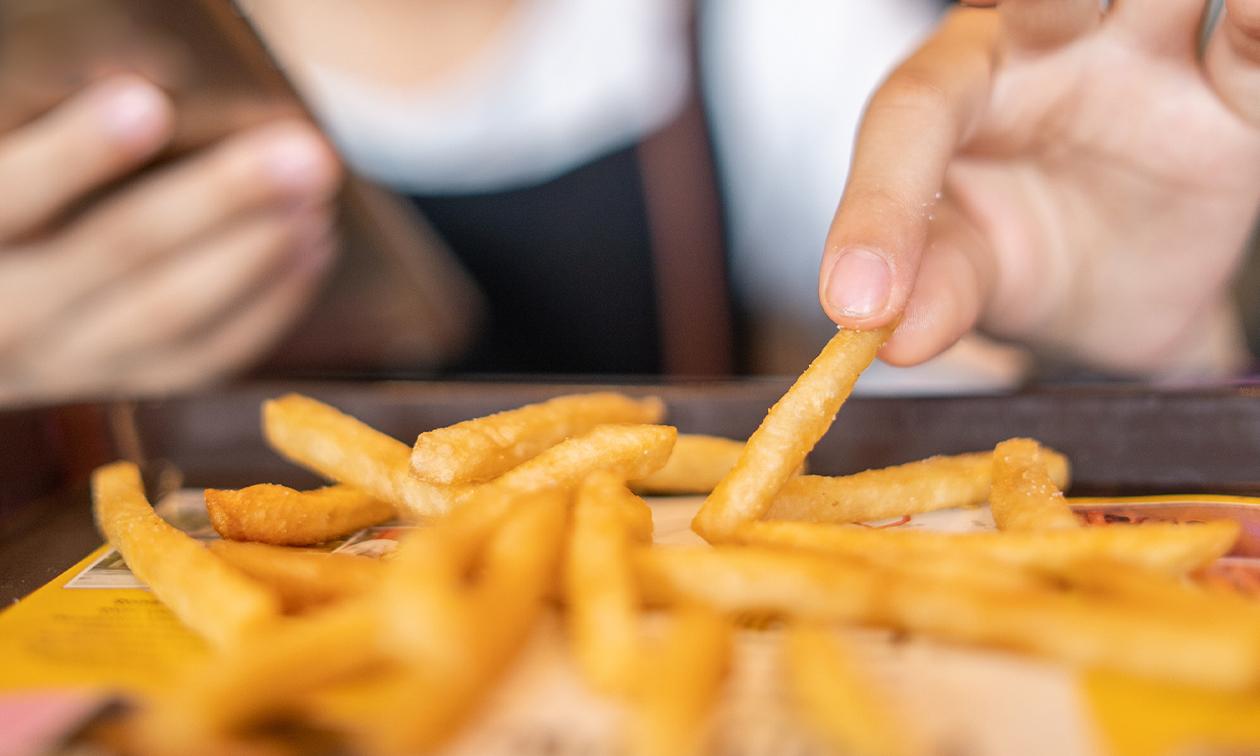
column 298, row 161
column 859, row 284
column 133, row 112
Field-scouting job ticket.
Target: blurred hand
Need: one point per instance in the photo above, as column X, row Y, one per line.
column 175, row 279
column 1081, row 182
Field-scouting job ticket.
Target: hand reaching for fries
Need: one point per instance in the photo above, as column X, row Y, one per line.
column 1081, row 181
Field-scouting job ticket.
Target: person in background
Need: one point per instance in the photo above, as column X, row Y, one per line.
column 1076, row 181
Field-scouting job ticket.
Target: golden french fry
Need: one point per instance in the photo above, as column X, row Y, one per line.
column 696, row 466
column 788, row 433
column 927, row 485
column 217, row 602
column 260, row 676
column 678, row 682
column 425, row 613
column 478, row 450
column 519, row 561
column 610, row 487
column 1141, row 586
column 343, row 449
column 624, row 450
column 1024, row 497
column 302, row 579
column 1076, row 628
column 279, row 515
column 519, row 567
column 838, row 698
column 628, row 451
column 427, row 626
column 1169, row 548
column 602, row 597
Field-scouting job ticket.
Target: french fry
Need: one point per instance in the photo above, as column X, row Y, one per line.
column 623, row 450
column 519, row 563
column 628, row 451
column 944, row 482
column 1074, row 628
column 610, row 487
column 427, row 627
column 302, row 579
column 600, row 589
column 788, row 433
column 216, row 601
column 425, row 614
column 1143, row 587
column 1024, row 497
column 679, row 679
column 696, row 466
column 1168, row 548
column 345, row 450
column 837, row 697
column 261, row 676
column 281, row 516
column 341, row 448
column 478, row 450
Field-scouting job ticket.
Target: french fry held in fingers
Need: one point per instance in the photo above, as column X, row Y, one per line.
column 1168, row 548
column 838, row 698
column 302, row 579
column 343, row 449
column 279, row 515
column 1070, row 627
column 944, row 482
column 789, row 432
column 600, row 587
column 678, row 681
column 216, row 601
column 478, row 450
column 1024, row 496
column 697, row 464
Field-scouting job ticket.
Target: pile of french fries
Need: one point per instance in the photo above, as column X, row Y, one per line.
column 537, row 511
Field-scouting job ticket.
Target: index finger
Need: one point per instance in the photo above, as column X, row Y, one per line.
column 912, row 128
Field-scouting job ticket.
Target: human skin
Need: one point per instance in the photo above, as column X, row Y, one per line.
column 1078, row 181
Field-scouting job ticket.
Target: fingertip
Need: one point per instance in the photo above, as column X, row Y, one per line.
column 298, row 159
column 133, row 112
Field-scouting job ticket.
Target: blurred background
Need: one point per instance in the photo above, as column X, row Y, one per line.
column 534, row 188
